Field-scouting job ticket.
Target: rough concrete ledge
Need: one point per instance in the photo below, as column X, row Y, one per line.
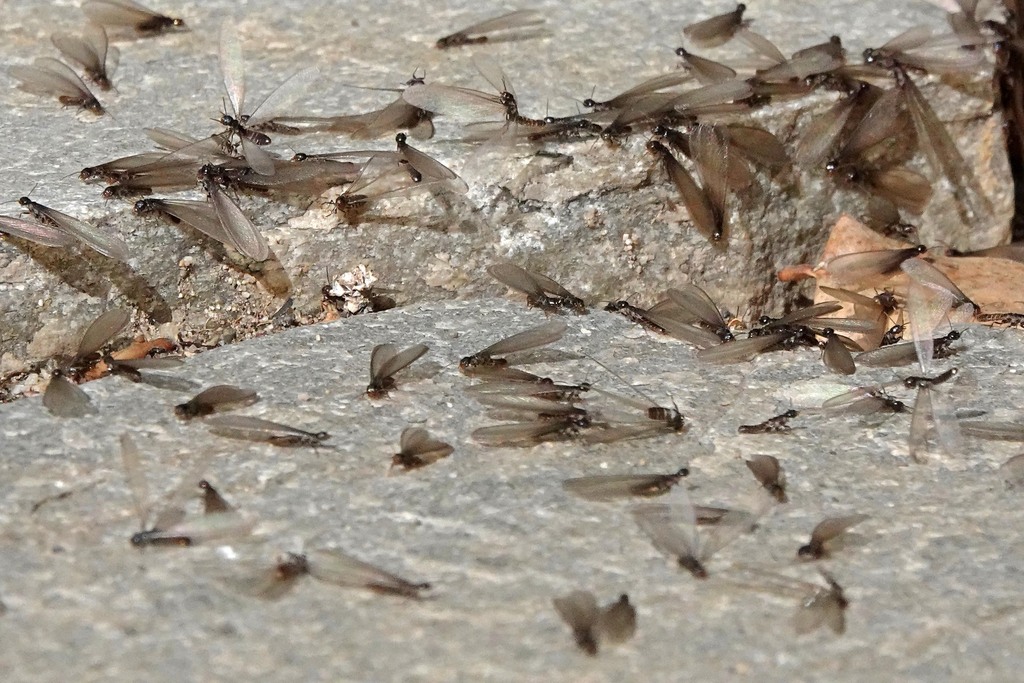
column 589, row 223
column 933, row 578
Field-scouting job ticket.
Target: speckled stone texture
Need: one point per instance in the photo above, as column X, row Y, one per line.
column 933, row 577
column 589, row 219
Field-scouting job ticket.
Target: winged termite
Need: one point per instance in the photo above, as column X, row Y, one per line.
column 808, row 62
column 497, row 29
column 864, row 401
column 916, row 49
column 110, row 171
column 773, row 425
column 925, row 274
column 865, row 269
column 673, row 531
column 173, row 526
column 672, row 108
column 932, row 417
column 695, row 301
column 241, row 123
column 106, row 245
column 91, row 51
column 198, row 215
column 742, row 349
column 38, row 233
column 532, row 338
column 125, row 13
column 933, row 303
column 427, row 167
column 667, row 318
column 541, row 291
column 49, row 76
column 826, row 531
column 634, row 314
column 604, row 487
column 883, row 217
column 328, row 566
column 419, row 449
column 768, row 472
column 507, row 381
column 707, row 215
column 216, row 399
column 136, row 370
column 718, row 29
column 570, row 425
column 592, row 625
column 256, row 429
column 940, row 150
column 906, row 353
column 819, row 139
column 705, row 70
column 629, row 96
column 240, row 232
column 835, row 352
column 396, row 115
column 819, row 606
column 385, row 361
column 62, row 397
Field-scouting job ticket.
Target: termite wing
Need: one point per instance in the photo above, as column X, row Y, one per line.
column 243, row 124
column 705, row 203
column 624, row 99
column 255, row 429
column 385, row 361
column 673, row 531
column 173, row 526
column 62, row 396
column 49, row 76
column 106, row 245
column 128, row 14
column 819, row 606
column 497, row 29
column 934, row 420
column 237, row 228
column 824, row 533
column 716, row 30
column 541, row 291
column 91, row 51
column 768, row 472
column 866, row 269
column 218, row 398
column 905, row 353
column 984, row 429
column 605, row 487
column 396, row 115
column 37, row 233
column 933, row 301
column 554, row 422
column 591, row 625
column 419, row 449
column 542, row 335
column 328, row 566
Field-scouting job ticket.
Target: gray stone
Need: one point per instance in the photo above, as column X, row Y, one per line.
column 592, row 224
column 932, row 577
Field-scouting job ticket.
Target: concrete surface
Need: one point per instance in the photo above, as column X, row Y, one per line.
column 588, row 224
column 933, row 577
